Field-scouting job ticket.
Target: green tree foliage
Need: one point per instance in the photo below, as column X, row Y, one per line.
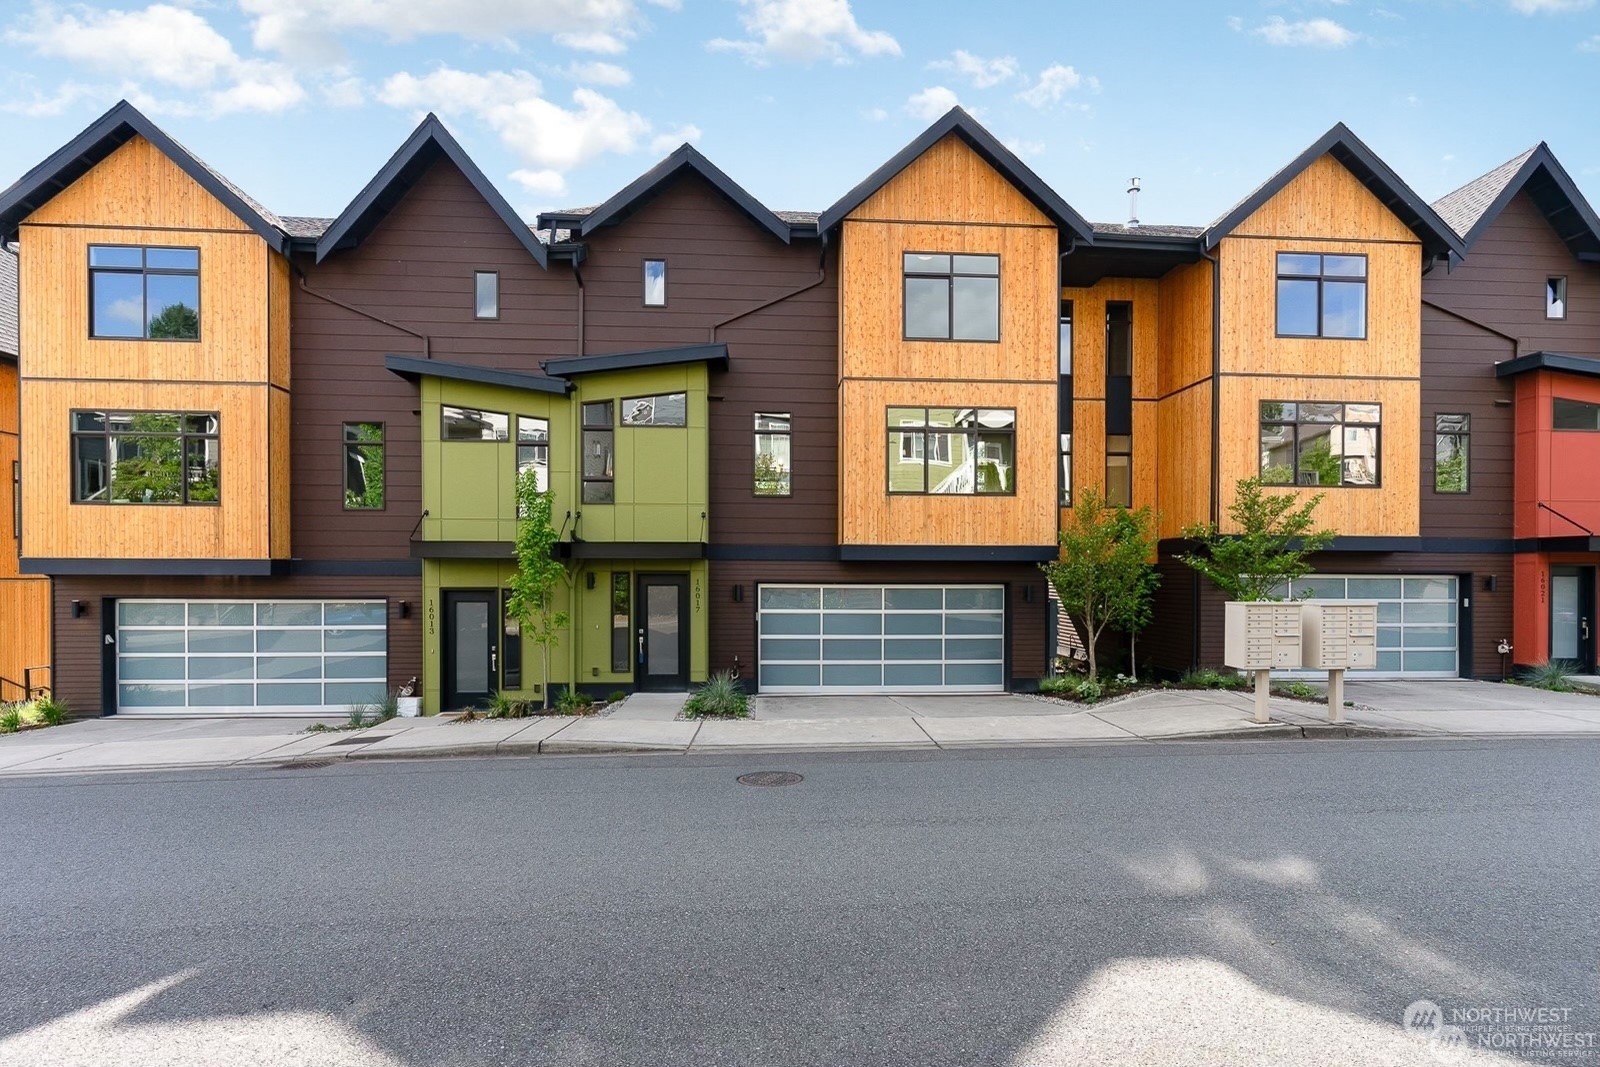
column 539, row 575
column 1104, row 576
column 1274, row 541
column 176, row 322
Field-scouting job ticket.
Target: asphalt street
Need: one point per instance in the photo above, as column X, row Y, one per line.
column 1271, row 903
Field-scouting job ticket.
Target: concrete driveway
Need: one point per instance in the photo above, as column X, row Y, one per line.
column 1463, row 706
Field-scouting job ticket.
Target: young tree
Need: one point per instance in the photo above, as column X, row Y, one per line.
column 533, row 587
column 1104, row 576
column 1274, row 540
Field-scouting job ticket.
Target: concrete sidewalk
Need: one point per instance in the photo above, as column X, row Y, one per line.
column 648, row 723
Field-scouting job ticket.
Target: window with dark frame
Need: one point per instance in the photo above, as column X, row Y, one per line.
column 621, row 623
column 533, row 449
column 141, row 293
column 16, row 499
column 472, row 424
column 363, row 466
column 773, row 467
column 951, row 297
column 1320, row 444
column 1119, row 470
column 961, row 451
column 1119, row 339
column 655, row 283
column 599, row 453
column 1452, row 435
column 1555, row 298
column 1322, row 295
column 1064, row 398
column 1574, row 414
column 146, row 457
column 486, row 294
column 665, row 409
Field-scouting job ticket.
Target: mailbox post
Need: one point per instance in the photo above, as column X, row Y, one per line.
column 1260, row 635
column 1339, row 635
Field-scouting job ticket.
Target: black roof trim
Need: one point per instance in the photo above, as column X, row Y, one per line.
column 421, row 150
column 566, row 366
column 1555, row 194
column 957, row 121
column 652, row 181
column 102, row 137
column 1548, row 361
column 417, row 367
column 1437, row 237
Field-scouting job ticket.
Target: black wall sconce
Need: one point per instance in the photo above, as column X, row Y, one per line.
column 738, row 593
column 1027, row 594
column 78, row 609
column 404, row 609
column 588, row 580
column 1490, row 583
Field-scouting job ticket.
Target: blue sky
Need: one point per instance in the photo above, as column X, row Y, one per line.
column 562, row 102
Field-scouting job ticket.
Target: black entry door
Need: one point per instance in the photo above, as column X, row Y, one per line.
column 1572, row 621
column 662, row 622
column 471, row 646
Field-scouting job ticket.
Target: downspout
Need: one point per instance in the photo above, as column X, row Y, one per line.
column 1516, row 342
column 577, row 276
column 822, row 274
column 427, row 344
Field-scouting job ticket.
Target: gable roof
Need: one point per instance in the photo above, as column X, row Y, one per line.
column 102, row 137
column 1363, row 163
column 652, row 181
column 956, row 121
column 427, row 144
column 1471, row 209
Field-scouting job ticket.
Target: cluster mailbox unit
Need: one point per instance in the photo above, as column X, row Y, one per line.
column 1260, row 635
column 1324, row 635
column 1340, row 635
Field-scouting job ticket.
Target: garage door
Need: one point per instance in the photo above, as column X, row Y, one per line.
column 882, row 638
column 250, row 657
column 1418, row 627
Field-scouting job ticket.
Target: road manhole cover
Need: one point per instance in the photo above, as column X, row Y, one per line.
column 771, row 778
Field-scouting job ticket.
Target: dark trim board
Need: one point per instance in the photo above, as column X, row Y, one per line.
column 351, row 568
column 1558, row 361
column 1557, row 544
column 464, row 549
column 199, row 568
column 775, row 553
column 953, row 553
column 714, row 355
column 413, row 367
column 1395, row 545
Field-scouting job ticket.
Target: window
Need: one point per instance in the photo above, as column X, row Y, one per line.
column 599, row 454
column 1555, row 298
column 1575, row 415
column 16, row 499
column 1064, row 340
column 621, row 625
column 486, row 294
column 1119, row 470
column 470, row 424
column 952, row 450
column 144, row 292
column 1064, row 398
column 1451, row 470
column 363, row 466
column 533, row 450
column 1322, row 296
column 952, row 297
column 773, row 465
column 145, row 457
column 655, row 283
column 668, row 409
column 1066, row 470
column 1305, row 443
column 1119, row 339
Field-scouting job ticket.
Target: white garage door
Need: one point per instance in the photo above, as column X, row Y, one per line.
column 1418, row 630
column 882, row 638
column 250, row 656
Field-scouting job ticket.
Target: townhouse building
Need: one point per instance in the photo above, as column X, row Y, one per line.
column 270, row 461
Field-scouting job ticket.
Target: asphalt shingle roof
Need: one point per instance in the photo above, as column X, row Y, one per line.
column 1149, row 230
column 1463, row 207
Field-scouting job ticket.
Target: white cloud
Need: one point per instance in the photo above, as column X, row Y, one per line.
column 1054, row 83
column 37, row 105
column 1591, row 45
column 804, row 31
column 1550, row 7
column 1025, row 148
column 551, row 138
column 1316, row 33
column 671, row 139
column 596, row 73
column 167, row 45
column 607, row 44
column 874, row 114
column 982, row 73
column 344, row 92
column 931, row 103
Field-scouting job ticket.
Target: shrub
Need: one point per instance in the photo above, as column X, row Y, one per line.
column 572, row 702
column 388, row 707
column 1211, row 678
column 721, row 697
column 357, row 717
column 617, row 695
column 1053, row 686
column 31, row 715
column 500, row 707
column 10, row 719
column 54, row 712
column 1298, row 690
column 1556, row 676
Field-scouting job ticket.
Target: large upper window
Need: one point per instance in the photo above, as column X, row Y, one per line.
column 773, row 465
column 599, row 453
column 144, row 292
column 145, row 457
column 363, row 466
column 1305, row 443
column 952, row 297
column 1452, row 436
column 952, row 450
column 471, row 424
column 1574, row 414
column 1322, row 295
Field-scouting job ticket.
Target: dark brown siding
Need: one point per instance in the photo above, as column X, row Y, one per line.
column 733, row 625
column 79, row 642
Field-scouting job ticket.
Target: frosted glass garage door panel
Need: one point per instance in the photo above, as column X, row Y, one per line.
column 1419, row 632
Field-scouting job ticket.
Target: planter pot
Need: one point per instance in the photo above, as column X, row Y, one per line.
column 410, row 707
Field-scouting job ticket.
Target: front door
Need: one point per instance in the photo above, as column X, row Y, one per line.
column 1572, row 615
column 471, row 646
column 663, row 631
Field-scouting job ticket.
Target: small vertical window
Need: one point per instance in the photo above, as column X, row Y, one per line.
column 16, row 499
column 363, row 466
column 1451, row 436
column 486, row 294
column 1119, row 339
column 1119, row 470
column 1066, row 470
column 655, row 283
column 621, row 625
column 772, row 454
column 1064, row 340
column 533, row 449
column 1555, row 298
column 599, row 453
column 510, row 644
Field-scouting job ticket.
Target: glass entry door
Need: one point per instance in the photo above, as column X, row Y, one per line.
column 471, row 646
column 1572, row 615
column 662, row 623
